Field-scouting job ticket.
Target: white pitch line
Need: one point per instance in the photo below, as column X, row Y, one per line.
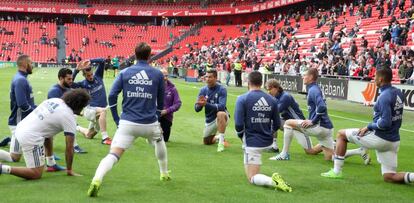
column 332, row 115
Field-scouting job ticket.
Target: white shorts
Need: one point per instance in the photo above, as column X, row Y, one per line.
column 15, row 147
column 127, row 132
column 89, row 113
column 34, row 155
column 253, row 155
column 211, row 128
column 386, row 151
column 324, row 135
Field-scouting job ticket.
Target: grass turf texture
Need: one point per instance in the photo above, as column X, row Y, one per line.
column 199, row 173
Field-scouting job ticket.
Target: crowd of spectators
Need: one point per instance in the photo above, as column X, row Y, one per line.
column 358, row 61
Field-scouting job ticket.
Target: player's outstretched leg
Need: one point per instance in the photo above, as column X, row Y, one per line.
column 104, row 167
column 255, row 178
column 161, row 154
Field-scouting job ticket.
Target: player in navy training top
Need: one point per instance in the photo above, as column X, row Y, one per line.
column 213, row 98
column 95, row 112
column 289, row 109
column 256, row 119
column 318, row 125
column 21, row 105
column 382, row 134
column 142, row 88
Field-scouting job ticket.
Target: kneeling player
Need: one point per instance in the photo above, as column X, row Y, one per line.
column 319, row 125
column 49, row 118
column 289, row 109
column 213, row 98
column 382, row 134
column 256, row 119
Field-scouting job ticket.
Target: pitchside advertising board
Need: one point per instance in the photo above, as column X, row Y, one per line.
column 367, row 93
column 127, row 11
column 331, row 87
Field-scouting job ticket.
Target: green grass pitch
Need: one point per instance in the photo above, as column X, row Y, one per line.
column 200, row 173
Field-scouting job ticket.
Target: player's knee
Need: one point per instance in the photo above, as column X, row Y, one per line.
column 221, row 115
column 15, row 157
column 310, row 152
column 341, row 135
column 36, row 174
column 388, row 177
column 290, row 123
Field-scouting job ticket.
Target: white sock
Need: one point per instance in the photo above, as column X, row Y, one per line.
column 221, row 138
column 338, row 163
column 287, row 139
column 5, row 169
column 106, row 165
column 161, row 154
column 75, row 143
column 50, row 161
column 104, row 135
column 262, row 180
column 352, row 152
column 274, row 145
column 5, row 156
column 409, row 178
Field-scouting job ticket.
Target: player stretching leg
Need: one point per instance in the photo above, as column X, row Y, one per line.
column 95, row 112
column 382, row 134
column 318, row 125
column 142, row 88
column 256, row 119
column 48, row 119
column 289, row 109
column 213, row 98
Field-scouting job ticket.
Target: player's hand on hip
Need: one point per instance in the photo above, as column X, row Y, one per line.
column 362, row 131
column 71, row 173
column 307, row 123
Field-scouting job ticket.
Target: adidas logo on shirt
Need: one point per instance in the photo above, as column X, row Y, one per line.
column 140, row 78
column 261, row 105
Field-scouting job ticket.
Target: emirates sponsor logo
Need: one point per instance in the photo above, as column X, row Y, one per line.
column 123, row 13
column 196, row 13
column 145, row 13
column 242, row 10
column 101, row 12
column 255, row 8
column 214, row 12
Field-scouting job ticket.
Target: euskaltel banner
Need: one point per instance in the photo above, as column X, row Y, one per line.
column 129, row 10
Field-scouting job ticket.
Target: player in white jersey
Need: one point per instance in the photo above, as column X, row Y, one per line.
column 48, row 119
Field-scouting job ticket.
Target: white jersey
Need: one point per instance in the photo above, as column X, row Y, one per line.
column 48, row 119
